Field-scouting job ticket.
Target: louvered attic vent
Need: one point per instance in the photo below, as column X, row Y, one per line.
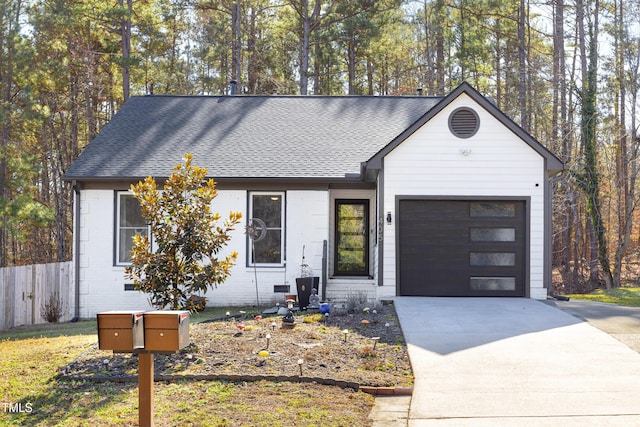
column 464, row 122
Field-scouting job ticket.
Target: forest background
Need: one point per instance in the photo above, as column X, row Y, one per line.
column 567, row 71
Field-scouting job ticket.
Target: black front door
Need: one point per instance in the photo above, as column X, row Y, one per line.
column 352, row 238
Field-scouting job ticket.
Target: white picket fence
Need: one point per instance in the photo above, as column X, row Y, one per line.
column 26, row 289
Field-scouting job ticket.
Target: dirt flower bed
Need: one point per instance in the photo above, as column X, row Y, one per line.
column 372, row 352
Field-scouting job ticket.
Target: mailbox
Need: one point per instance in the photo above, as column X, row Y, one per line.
column 166, row 330
column 121, row 331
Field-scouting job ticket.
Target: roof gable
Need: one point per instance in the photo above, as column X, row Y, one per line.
column 552, row 163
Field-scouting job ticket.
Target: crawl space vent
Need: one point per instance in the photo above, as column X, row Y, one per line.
column 464, row 122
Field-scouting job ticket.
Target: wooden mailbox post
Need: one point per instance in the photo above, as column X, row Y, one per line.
column 144, row 333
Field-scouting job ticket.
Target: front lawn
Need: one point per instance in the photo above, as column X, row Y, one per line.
column 32, row 395
column 621, row 296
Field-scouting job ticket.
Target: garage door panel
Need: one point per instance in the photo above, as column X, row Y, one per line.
column 457, row 248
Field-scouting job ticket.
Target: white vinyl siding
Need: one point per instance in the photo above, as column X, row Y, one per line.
column 493, row 163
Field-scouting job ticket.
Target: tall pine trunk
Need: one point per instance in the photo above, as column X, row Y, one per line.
column 522, row 66
column 631, row 157
column 304, row 49
column 10, row 19
column 236, row 62
column 440, row 65
column 125, row 29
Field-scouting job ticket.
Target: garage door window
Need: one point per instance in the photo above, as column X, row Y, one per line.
column 492, row 259
column 492, row 234
column 493, row 283
column 492, row 209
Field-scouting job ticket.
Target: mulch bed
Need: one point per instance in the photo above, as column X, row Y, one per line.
column 316, row 349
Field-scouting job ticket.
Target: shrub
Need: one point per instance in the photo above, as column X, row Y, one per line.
column 51, row 310
column 313, row 318
column 367, row 353
column 356, row 301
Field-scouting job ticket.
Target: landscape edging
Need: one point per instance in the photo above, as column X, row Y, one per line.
column 376, row 391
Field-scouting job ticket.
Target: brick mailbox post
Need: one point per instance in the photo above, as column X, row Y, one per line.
column 144, row 333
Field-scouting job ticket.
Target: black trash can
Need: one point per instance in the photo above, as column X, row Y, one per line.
column 304, row 285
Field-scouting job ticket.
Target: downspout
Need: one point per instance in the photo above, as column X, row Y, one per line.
column 76, row 254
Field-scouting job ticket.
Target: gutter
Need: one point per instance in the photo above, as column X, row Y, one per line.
column 76, row 255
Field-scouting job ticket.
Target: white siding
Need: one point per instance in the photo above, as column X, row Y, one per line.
column 102, row 283
column 431, row 162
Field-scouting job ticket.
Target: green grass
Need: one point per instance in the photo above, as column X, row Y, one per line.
column 621, row 296
column 31, row 357
column 28, row 365
column 50, row 330
column 88, row 327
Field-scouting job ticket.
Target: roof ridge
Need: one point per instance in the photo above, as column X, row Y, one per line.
column 251, row 96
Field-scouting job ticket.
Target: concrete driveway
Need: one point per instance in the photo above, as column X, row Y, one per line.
column 514, row 362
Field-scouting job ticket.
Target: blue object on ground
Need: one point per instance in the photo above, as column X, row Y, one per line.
column 325, row 308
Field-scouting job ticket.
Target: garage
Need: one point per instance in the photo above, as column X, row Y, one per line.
column 461, row 247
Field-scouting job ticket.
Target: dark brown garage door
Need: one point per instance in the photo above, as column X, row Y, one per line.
column 461, row 247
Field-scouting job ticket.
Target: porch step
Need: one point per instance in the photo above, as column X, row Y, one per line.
column 341, row 289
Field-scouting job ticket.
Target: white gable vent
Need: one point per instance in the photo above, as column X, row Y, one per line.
column 464, row 122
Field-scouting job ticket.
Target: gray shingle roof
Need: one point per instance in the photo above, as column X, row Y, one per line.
column 247, row 136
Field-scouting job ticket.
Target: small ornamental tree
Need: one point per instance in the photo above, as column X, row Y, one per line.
column 181, row 258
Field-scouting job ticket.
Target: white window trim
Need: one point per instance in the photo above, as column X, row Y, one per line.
column 116, row 255
column 282, row 228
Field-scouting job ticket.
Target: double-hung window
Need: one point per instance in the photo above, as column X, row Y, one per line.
column 129, row 222
column 269, row 249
